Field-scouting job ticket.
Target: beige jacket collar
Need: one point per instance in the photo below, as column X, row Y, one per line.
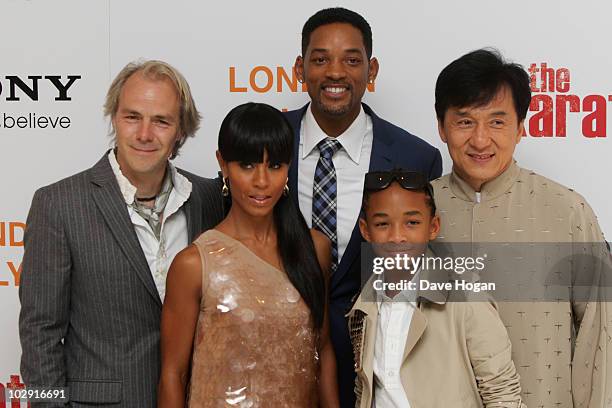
column 490, row 190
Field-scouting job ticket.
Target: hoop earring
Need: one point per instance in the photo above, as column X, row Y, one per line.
column 225, row 189
column 286, row 190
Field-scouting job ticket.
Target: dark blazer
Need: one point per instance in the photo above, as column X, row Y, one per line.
column 391, row 147
column 90, row 311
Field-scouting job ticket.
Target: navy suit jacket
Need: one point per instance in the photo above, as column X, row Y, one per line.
column 392, row 147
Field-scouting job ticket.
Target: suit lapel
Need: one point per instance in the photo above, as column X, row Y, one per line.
column 352, row 251
column 381, row 156
column 107, row 197
column 418, row 324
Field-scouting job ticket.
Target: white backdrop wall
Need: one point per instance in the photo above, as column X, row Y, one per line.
column 232, row 53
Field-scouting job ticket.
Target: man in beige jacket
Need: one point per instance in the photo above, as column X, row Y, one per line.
column 562, row 349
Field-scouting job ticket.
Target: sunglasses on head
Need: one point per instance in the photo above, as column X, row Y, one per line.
column 410, row 180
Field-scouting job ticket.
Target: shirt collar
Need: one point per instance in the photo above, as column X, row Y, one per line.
column 181, row 185
column 351, row 140
column 490, row 190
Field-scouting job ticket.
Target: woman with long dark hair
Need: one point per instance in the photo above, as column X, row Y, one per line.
column 244, row 321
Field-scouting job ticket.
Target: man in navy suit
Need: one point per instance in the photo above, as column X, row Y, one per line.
column 338, row 140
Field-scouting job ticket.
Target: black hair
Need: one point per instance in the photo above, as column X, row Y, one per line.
column 252, row 128
column 337, row 15
column 246, row 132
column 475, row 79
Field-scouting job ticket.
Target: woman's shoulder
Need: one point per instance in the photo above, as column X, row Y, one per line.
column 189, row 257
column 207, row 235
column 211, row 240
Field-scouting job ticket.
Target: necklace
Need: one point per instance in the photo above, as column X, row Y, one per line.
column 141, row 199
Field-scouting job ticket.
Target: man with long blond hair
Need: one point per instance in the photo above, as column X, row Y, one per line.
column 98, row 246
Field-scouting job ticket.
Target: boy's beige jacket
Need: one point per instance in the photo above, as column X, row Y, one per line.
column 457, row 354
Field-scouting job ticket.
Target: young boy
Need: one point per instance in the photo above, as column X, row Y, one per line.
column 412, row 348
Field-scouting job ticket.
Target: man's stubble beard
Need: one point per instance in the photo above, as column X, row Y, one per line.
column 335, row 110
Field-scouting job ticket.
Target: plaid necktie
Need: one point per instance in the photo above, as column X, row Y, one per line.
column 324, row 196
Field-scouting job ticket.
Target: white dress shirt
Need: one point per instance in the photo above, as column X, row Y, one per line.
column 173, row 236
column 352, row 162
column 394, row 317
